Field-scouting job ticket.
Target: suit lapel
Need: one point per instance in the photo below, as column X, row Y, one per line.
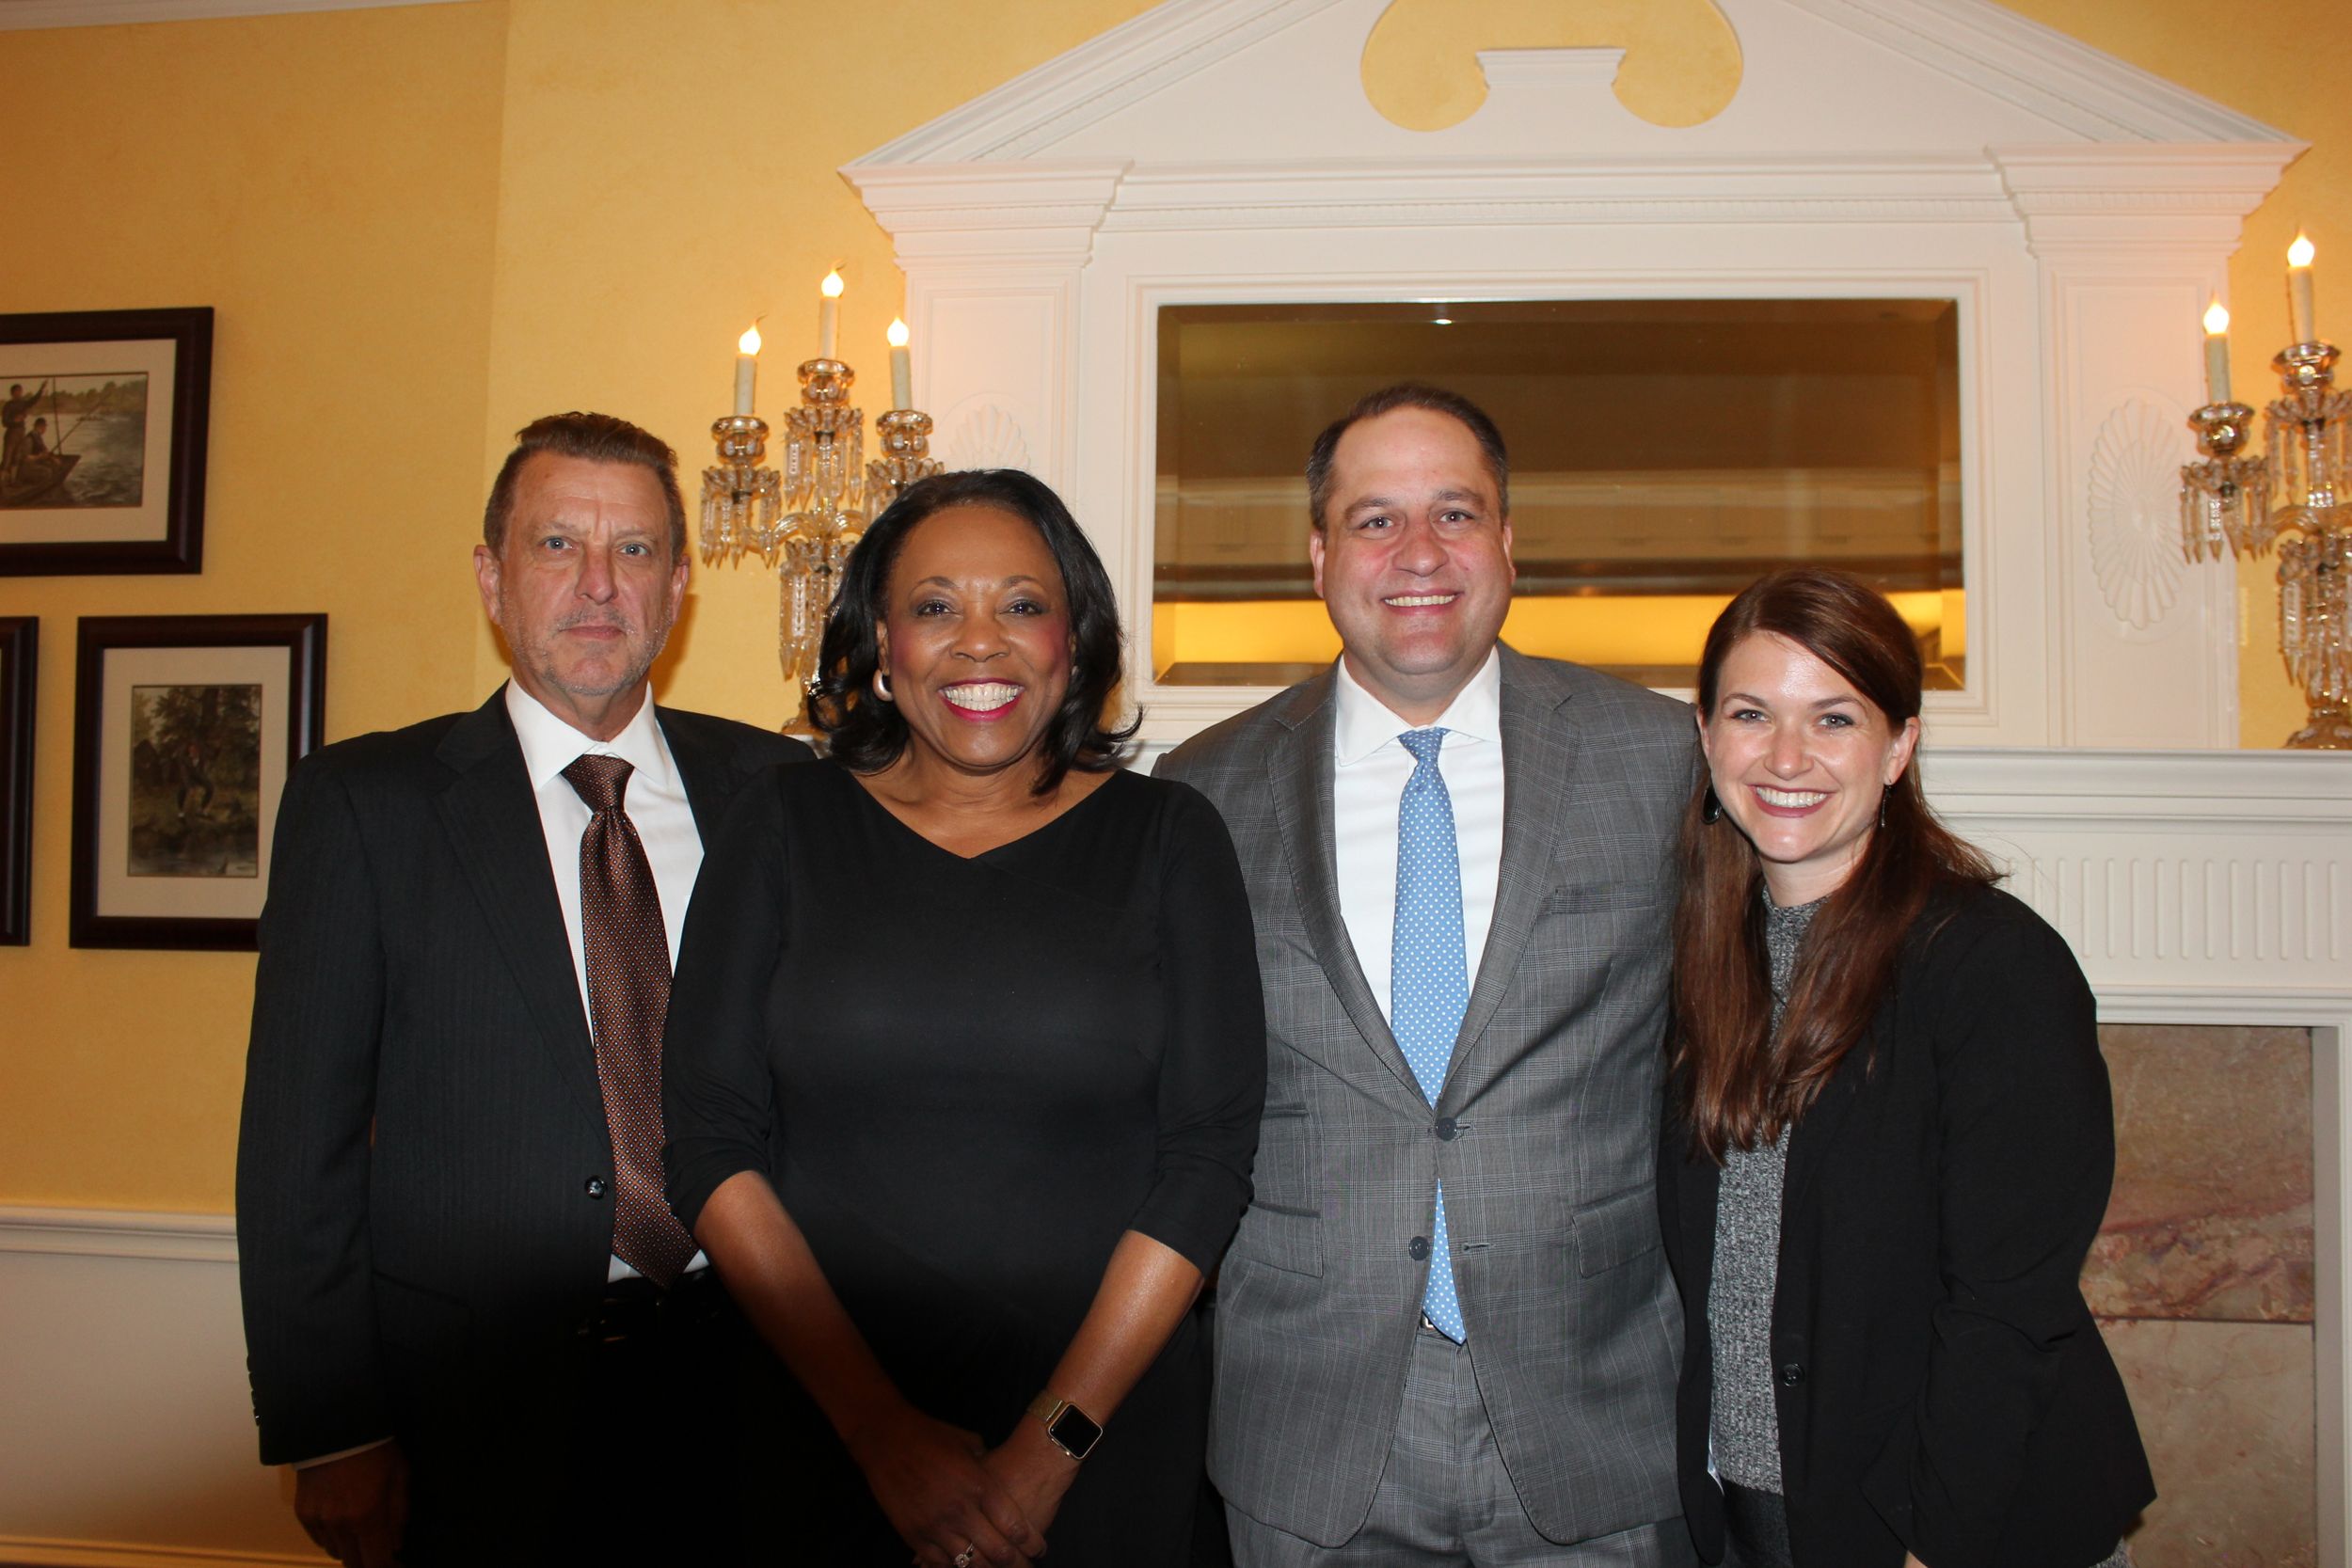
column 1300, row 769
column 703, row 768
column 493, row 823
column 1539, row 751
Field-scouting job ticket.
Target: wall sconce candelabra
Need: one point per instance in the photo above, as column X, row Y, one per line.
column 804, row 520
column 2297, row 496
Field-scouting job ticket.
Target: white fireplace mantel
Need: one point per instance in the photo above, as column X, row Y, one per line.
column 2080, row 212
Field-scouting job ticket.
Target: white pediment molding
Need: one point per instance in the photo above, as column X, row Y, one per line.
column 2039, row 68
column 1107, row 72
column 1179, row 49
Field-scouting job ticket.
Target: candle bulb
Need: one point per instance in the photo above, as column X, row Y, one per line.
column 828, row 316
column 901, row 371
column 2217, row 354
column 746, row 368
column 2299, row 255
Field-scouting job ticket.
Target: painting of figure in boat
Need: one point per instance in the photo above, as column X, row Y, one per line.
column 103, row 417
column 75, row 440
column 195, row 780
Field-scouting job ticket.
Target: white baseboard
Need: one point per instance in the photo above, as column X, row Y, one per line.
column 129, row 1441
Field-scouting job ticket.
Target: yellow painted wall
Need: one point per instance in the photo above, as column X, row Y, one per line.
column 423, row 226
column 329, row 184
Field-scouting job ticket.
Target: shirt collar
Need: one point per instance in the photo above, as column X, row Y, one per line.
column 550, row 745
column 1365, row 723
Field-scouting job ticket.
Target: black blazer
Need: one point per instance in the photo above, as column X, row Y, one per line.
column 1942, row 1388
column 423, row 1161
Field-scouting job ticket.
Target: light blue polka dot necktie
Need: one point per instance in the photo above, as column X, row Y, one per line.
column 1429, row 975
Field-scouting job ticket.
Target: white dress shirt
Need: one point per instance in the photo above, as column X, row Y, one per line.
column 655, row 802
column 1367, row 787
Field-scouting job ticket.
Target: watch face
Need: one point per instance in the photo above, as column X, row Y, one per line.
column 1075, row 1430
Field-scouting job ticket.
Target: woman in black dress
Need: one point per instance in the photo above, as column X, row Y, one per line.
column 965, row 1059
column 1888, row 1143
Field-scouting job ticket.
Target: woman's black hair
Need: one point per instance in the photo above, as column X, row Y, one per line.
column 868, row 734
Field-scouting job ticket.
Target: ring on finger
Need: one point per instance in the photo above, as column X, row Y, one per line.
column 963, row 1558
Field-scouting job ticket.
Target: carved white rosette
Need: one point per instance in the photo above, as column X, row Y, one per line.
column 2135, row 512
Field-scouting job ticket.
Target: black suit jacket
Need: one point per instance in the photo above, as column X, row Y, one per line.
column 424, row 1165
column 1941, row 1386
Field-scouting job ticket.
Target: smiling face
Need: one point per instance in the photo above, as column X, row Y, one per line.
column 976, row 638
column 583, row 586
column 1413, row 561
column 1799, row 759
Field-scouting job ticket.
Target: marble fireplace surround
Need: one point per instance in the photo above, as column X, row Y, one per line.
column 2080, row 211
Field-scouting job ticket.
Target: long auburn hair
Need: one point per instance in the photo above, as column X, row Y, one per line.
column 1740, row 1084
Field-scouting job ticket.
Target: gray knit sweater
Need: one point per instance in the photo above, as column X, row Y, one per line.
column 1746, row 1424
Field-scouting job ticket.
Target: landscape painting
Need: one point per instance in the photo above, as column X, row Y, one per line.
column 74, row 441
column 186, row 729
column 105, row 419
column 196, row 782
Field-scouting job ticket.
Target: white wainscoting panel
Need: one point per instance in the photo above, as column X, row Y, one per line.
column 126, row 1433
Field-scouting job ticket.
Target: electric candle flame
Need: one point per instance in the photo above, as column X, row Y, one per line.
column 898, row 333
column 2217, row 320
column 2299, row 254
column 831, row 287
column 748, row 341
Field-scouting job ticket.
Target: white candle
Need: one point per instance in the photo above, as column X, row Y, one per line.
column 828, row 316
column 901, row 371
column 746, row 368
column 2299, row 255
column 2217, row 354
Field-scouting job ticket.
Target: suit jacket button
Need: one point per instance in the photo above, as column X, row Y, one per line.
column 594, row 1186
column 1417, row 1248
column 1446, row 1128
column 1792, row 1373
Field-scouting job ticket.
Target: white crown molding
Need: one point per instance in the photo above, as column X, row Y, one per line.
column 2198, row 193
column 118, row 1233
column 24, row 15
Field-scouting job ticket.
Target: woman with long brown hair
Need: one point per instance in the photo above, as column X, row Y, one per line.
column 1889, row 1140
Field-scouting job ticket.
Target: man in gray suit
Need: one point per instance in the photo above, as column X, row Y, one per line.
column 1446, row 1332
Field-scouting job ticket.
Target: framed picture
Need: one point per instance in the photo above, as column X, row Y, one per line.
column 184, row 728
column 104, row 415
column 20, row 641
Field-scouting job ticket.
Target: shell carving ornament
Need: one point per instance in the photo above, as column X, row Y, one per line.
column 985, row 436
column 2135, row 512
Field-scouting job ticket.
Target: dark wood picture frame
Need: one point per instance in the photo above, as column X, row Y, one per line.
column 19, row 665
column 113, row 903
column 168, row 534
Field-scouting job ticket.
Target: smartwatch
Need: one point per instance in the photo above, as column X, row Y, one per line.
column 1073, row 1430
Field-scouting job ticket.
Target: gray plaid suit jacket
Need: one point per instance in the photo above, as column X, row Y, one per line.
column 1545, row 1132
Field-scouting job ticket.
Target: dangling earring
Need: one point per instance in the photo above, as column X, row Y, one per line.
column 1882, row 795
column 1711, row 809
column 881, row 684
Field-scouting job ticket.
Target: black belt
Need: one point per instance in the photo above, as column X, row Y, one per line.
column 636, row 1309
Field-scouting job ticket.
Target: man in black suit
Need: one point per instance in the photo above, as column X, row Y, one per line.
column 466, row 1326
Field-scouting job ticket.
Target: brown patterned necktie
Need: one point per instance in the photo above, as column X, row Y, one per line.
column 629, row 997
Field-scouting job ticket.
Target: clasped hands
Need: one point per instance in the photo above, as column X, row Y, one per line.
column 956, row 1501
